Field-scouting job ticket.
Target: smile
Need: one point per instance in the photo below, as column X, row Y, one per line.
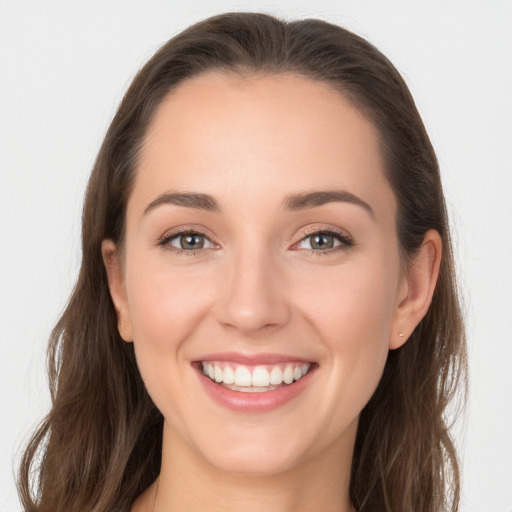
column 254, row 379
column 254, row 384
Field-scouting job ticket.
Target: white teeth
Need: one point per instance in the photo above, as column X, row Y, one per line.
column 243, row 376
column 276, row 376
column 288, row 375
column 253, row 379
column 250, row 389
column 228, row 375
column 260, row 377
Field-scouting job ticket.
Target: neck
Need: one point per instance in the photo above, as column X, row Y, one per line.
column 188, row 482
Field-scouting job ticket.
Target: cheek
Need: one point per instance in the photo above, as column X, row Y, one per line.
column 353, row 304
column 165, row 304
column 352, row 317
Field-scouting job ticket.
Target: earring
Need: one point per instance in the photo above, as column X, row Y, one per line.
column 400, row 335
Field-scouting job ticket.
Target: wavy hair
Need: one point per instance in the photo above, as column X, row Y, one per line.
column 100, row 445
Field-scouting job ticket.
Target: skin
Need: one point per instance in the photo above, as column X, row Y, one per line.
column 258, row 286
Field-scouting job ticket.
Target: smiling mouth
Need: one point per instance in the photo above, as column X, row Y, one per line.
column 254, row 379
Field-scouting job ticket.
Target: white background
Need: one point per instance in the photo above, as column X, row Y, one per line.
column 63, row 69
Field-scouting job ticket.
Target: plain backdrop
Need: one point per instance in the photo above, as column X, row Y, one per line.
column 63, row 69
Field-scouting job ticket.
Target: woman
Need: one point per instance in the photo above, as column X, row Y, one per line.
column 266, row 315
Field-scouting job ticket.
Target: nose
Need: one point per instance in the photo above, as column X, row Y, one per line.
column 253, row 298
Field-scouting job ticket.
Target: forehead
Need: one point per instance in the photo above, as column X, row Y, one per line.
column 259, row 136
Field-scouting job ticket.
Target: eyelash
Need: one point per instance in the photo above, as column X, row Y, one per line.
column 345, row 240
column 166, row 239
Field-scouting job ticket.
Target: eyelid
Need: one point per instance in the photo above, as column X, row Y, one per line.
column 178, row 236
column 345, row 239
column 183, row 230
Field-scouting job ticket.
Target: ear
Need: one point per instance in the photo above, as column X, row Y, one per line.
column 416, row 289
column 117, row 288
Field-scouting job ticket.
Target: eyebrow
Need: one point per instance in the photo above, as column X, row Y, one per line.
column 306, row 200
column 292, row 202
column 187, row 199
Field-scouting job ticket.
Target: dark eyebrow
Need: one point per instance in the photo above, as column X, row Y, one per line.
column 187, row 199
column 293, row 202
column 307, row 200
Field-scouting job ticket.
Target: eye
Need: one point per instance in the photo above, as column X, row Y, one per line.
column 323, row 241
column 187, row 241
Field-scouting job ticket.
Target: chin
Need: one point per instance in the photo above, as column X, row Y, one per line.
column 257, row 453
column 254, row 463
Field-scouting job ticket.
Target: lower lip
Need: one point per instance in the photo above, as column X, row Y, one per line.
column 254, row 402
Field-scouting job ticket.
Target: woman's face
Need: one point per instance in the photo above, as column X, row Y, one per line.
column 260, row 244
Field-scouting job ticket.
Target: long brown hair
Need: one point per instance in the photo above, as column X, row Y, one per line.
column 100, row 445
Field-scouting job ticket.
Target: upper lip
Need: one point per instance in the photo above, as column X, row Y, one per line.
column 252, row 359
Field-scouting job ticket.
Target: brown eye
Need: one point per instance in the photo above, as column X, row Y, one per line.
column 189, row 241
column 322, row 241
